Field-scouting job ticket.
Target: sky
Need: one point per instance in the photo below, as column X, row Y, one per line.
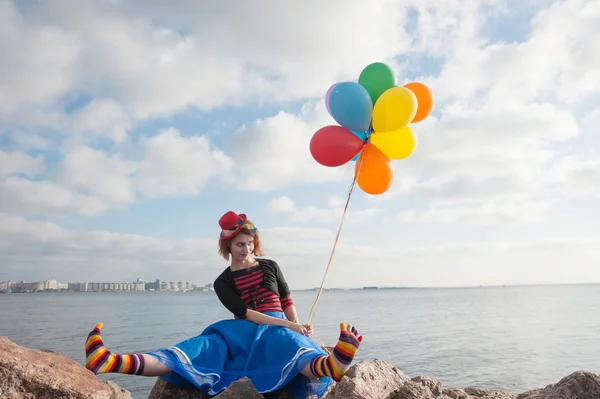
column 128, row 127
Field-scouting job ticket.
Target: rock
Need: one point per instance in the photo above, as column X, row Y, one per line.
column 412, row 391
column 164, row 390
column 577, row 385
column 434, row 386
column 368, row 379
column 242, row 388
column 427, row 388
column 378, row 379
column 476, row 393
column 43, row 374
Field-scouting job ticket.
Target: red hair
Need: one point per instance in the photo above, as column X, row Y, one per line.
column 225, row 244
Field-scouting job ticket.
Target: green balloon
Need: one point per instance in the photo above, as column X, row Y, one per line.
column 377, row 78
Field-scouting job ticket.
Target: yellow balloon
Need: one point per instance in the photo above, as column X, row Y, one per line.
column 396, row 145
column 394, row 109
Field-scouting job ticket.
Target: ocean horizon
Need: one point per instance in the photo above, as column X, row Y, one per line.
column 351, row 288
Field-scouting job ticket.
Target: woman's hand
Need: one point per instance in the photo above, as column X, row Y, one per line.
column 309, row 329
column 299, row 328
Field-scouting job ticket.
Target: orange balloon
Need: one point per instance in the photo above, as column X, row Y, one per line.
column 425, row 100
column 376, row 171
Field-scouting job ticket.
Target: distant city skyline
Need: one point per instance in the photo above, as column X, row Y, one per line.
column 210, row 285
column 85, row 286
column 114, row 281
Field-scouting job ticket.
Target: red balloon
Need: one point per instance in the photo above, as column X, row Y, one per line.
column 334, row 145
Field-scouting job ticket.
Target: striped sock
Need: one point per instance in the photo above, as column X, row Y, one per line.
column 99, row 360
column 336, row 364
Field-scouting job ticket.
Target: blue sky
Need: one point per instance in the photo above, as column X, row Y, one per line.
column 127, row 130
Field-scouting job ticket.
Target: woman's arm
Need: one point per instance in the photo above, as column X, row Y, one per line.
column 291, row 314
column 285, row 295
column 261, row 318
column 289, row 309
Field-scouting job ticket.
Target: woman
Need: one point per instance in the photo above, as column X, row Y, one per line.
column 264, row 341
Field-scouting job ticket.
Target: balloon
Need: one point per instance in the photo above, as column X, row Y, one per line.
column 360, row 135
column 328, row 94
column 425, row 100
column 377, row 78
column 376, row 171
column 350, row 106
column 334, row 145
column 396, row 145
column 363, row 137
column 394, row 109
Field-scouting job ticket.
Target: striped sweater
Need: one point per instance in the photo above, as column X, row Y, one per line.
column 262, row 288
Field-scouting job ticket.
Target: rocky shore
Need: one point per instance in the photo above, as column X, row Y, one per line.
column 41, row 374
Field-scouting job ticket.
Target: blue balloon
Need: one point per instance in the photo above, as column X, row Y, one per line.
column 363, row 137
column 351, row 106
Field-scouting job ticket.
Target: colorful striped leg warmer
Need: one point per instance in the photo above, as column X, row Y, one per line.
column 99, row 360
column 336, row 364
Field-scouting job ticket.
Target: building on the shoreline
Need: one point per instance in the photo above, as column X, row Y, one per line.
column 36, row 286
column 85, row 286
column 5, row 286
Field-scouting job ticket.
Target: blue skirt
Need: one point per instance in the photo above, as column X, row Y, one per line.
column 271, row 356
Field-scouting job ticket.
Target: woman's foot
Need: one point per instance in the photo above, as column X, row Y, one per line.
column 99, row 360
column 338, row 363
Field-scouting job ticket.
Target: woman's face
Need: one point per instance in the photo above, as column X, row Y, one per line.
column 242, row 246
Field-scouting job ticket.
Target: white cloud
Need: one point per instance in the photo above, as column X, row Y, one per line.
column 38, row 197
column 30, row 247
column 33, row 249
column 493, row 154
column 274, row 152
column 101, row 118
column 12, row 162
column 45, row 198
column 484, row 165
column 575, row 177
column 492, row 141
column 89, row 181
column 574, row 27
column 154, row 60
column 450, row 29
column 29, row 140
column 591, row 122
column 313, row 213
column 176, row 165
column 556, row 59
column 295, row 241
column 94, row 171
column 502, row 136
column 336, row 201
column 319, row 55
column 515, row 212
column 280, row 205
column 37, row 64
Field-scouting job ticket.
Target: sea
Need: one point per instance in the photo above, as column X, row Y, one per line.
column 513, row 338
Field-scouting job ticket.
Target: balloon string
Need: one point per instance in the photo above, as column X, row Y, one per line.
column 314, row 306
